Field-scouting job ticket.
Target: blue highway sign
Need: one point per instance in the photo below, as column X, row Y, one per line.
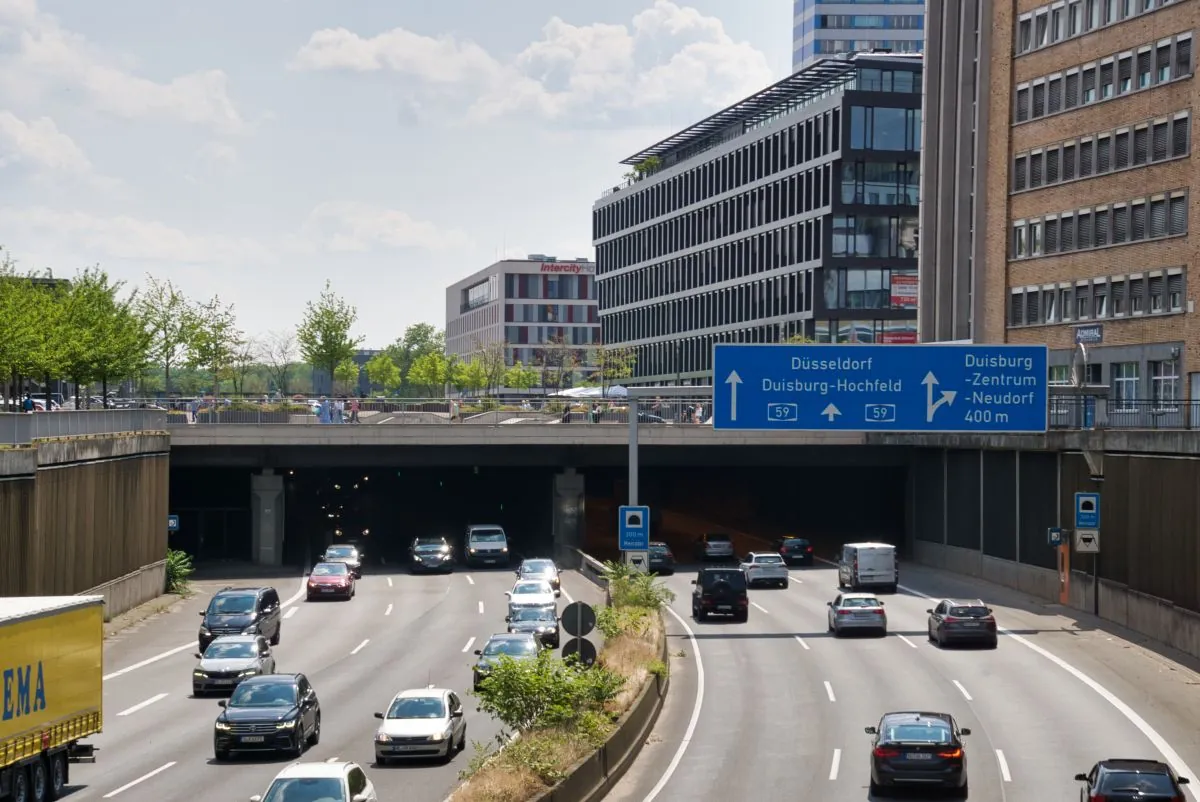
column 172, row 523
column 634, row 525
column 880, row 388
column 1087, row 510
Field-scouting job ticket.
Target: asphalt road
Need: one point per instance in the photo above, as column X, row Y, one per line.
column 400, row 631
column 784, row 704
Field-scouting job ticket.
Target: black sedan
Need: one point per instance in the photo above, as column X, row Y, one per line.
column 540, row 622
column 918, row 750
column 1130, row 779
column 268, row 713
column 430, row 554
column 662, row 560
column 795, row 550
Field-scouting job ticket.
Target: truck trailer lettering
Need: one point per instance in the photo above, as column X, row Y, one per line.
column 22, row 692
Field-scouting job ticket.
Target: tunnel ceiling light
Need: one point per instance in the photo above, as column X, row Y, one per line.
column 337, row 487
column 366, row 478
column 291, row 473
column 356, row 485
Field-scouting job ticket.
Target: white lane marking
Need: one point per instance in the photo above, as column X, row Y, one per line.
column 139, row 780
column 962, row 690
column 469, row 580
column 829, row 691
column 191, row 645
column 567, row 596
column 142, row 705
column 759, row 607
column 906, row 640
column 291, row 612
column 385, row 420
column 388, row 611
column 467, row 648
column 334, row 759
column 800, row 640
column 1004, row 772
column 360, row 646
column 389, row 579
column 481, row 608
column 836, row 764
column 695, row 719
column 1160, row 743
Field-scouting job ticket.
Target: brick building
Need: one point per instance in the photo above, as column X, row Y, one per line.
column 1084, row 235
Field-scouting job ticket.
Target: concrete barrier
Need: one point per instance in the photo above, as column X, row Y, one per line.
column 126, row 592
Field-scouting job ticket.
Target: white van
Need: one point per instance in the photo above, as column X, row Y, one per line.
column 865, row 565
column 486, row 544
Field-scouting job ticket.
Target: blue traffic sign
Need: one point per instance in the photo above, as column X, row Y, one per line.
column 634, row 525
column 1087, row 510
column 880, row 388
column 172, row 523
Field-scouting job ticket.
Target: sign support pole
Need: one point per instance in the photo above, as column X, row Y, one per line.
column 633, row 451
column 1096, row 584
column 1064, row 559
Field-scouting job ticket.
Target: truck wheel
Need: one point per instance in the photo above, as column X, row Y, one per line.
column 39, row 781
column 20, row 785
column 58, row 774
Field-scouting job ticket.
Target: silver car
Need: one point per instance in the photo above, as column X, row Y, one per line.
column 428, row 722
column 230, row 659
column 857, row 611
column 765, row 568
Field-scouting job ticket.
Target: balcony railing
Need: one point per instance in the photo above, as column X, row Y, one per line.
column 1092, row 412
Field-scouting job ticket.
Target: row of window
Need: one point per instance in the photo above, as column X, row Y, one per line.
column 563, row 287
column 542, row 335
column 551, row 313
column 781, row 247
column 826, row 47
column 806, row 192
column 874, row 236
column 885, row 128
column 805, row 141
column 473, row 321
column 1125, row 382
column 661, row 361
column 1158, row 292
column 1143, row 219
column 1055, row 23
column 1129, row 146
column 881, row 183
column 879, row 22
column 883, row 332
column 879, row 288
column 574, row 365
column 1129, row 71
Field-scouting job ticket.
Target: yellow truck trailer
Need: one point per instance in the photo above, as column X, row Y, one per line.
column 51, row 691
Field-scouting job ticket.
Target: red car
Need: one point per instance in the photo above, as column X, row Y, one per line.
column 331, row 581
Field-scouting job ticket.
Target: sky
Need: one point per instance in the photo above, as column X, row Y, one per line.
column 255, row 150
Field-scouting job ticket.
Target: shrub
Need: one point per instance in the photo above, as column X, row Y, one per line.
column 179, row 568
column 629, row 587
column 546, row 692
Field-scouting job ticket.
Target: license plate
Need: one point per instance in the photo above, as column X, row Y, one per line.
column 971, row 624
column 222, row 682
column 489, row 560
column 253, row 739
column 724, row 606
column 327, row 590
column 407, row 748
column 918, row 756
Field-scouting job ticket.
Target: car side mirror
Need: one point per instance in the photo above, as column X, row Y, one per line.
column 1183, row 781
column 379, row 715
column 881, row 604
column 222, row 703
column 508, row 593
column 1081, row 778
column 508, row 619
column 870, row 730
column 479, row 652
column 693, row 581
column 457, row 713
column 558, row 594
column 256, row 798
column 930, row 611
column 361, row 798
column 965, row 731
column 828, row 604
column 989, row 610
column 199, row 656
column 201, row 613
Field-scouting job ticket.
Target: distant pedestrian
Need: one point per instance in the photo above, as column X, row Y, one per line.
column 324, row 414
column 339, row 411
column 354, row 410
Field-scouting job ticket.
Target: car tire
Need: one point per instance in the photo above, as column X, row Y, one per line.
column 876, row 790
column 784, row 584
column 892, row 589
column 883, row 632
column 221, row 755
column 462, row 742
column 837, row 633
column 278, row 634
column 197, row 693
column 58, row 774
column 297, row 748
column 700, row 615
column 315, row 738
column 742, row 618
column 382, row 761
column 962, row 793
column 994, row 643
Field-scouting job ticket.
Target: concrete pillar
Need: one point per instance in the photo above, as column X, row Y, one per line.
column 568, row 522
column 266, row 506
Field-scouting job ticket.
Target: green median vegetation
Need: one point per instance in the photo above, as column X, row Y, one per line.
column 560, row 711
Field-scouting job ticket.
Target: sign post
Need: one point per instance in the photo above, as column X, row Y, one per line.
column 172, row 523
column 1087, row 538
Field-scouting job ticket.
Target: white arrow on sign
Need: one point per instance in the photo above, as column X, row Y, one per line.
column 830, row 412
column 931, row 406
column 733, row 381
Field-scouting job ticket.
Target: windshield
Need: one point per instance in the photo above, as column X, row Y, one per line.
column 934, row 732
column 418, row 707
column 306, row 789
column 768, row 559
column 264, row 694
column 487, row 537
column 530, row 588
column 513, row 648
column 330, row 569
column 537, row 567
column 717, row 538
column 429, row 545
column 232, row 605
column 860, row 603
column 795, row 543
column 969, row 612
column 535, row 615
column 735, row 579
column 341, row 551
column 1157, row 784
column 659, row 548
column 230, row 651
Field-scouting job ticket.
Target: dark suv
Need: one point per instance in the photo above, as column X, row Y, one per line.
column 720, row 591
column 794, row 550
column 242, row 611
column 1125, row 778
column 268, row 713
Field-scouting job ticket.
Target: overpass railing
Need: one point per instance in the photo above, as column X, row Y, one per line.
column 17, row 428
column 1093, row 412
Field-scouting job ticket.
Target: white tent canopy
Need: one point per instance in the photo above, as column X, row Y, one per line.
column 616, row 391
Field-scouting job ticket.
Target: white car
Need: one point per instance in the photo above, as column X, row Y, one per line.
column 421, row 723
column 320, row 782
column 765, row 568
column 532, row 593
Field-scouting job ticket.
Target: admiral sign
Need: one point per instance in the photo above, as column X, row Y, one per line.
column 573, row 268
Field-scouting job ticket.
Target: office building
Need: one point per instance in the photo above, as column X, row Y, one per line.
column 1088, row 160
column 543, row 310
column 792, row 212
column 823, row 28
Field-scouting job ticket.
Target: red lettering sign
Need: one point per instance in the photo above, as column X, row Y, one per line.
column 563, row 267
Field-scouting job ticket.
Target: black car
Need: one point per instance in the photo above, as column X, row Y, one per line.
column 269, row 713
column 541, row 623
column 1120, row 779
column 347, row 554
column 242, row 611
column 918, row 750
column 540, row 568
column 721, row 591
column 518, row 646
column 969, row 621
column 794, row 550
column 430, row 554
column 662, row 560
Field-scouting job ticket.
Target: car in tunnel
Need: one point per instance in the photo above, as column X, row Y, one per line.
column 485, row 544
column 765, row 568
column 343, row 553
column 662, row 559
column 856, row 612
column 714, row 546
column 962, row 621
column 721, row 591
column 242, row 611
column 912, row 749
column 541, row 569
column 794, row 550
column 330, row 581
column 430, row 554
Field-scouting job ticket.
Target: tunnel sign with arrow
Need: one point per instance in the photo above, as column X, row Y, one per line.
column 880, row 388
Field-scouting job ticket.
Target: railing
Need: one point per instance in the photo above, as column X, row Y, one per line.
column 1092, row 412
column 25, row 427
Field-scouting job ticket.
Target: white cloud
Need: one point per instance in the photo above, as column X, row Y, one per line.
column 47, row 57
column 39, row 144
column 218, row 154
column 352, row 226
column 667, row 54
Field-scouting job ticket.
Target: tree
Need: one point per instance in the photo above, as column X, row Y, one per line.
column 430, row 372
column 215, row 340
column 798, row 339
column 165, row 313
column 612, row 366
column 419, row 339
column 472, row 376
column 382, row 372
column 520, row 377
column 345, row 375
column 557, row 361
column 492, row 362
column 324, row 334
column 23, row 315
column 245, row 356
column 278, row 354
column 111, row 331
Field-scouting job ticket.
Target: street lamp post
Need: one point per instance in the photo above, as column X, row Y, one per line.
column 678, row 367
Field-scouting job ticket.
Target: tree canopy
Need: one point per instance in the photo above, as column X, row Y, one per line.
column 324, row 334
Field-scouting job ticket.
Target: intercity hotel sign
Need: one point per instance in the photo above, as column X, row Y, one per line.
column 573, row 268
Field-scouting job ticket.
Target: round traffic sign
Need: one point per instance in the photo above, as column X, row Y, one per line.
column 578, row 619
column 582, row 647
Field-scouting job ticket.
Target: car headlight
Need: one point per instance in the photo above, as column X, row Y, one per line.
column 250, row 672
column 204, row 631
column 223, row 726
column 445, row 556
column 504, row 550
column 436, row 737
column 472, row 550
column 200, row 674
column 286, row 725
column 381, row 738
column 417, row 557
column 251, row 630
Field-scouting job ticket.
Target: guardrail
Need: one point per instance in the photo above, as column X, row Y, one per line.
column 18, row 428
column 592, row 569
column 1095, row 412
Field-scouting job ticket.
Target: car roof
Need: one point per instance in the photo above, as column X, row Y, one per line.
column 966, row 602
column 263, row 679
column 871, row 545
column 240, row 591
column 537, row 560
column 857, row 595
column 1135, row 764
column 236, row 638
column 324, row 769
column 916, row 715
column 336, row 565
column 720, row 569
column 762, row 554
column 422, row 693
column 511, row 636
column 484, row 526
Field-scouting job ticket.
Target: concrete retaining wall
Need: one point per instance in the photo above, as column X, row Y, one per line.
column 126, row 592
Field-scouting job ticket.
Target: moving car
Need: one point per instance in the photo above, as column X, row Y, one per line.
column 662, row 559
column 331, row 581
column 540, row 622
column 765, row 568
column 541, row 569
column 242, row 611
column 856, row 611
column 535, row 593
column 421, row 723
column 962, row 622
column 268, row 713
column 868, row 565
column 485, row 544
column 321, row 782
column 518, row 646
column 430, row 554
column 345, row 554
column 714, row 547
column 795, row 550
column 1119, row 779
column 918, row 750
column 720, row 591
column 229, row 660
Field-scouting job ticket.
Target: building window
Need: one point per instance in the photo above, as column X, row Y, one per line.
column 883, row 128
column 1164, row 383
column 1175, row 293
column 1124, row 385
column 1060, row 374
column 1049, row 298
column 1099, row 300
column 1020, row 251
column 877, row 236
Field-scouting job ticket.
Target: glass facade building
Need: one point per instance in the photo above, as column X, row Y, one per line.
column 793, row 212
column 822, row 28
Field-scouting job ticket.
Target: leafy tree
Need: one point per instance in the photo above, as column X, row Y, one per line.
column 45, row 302
column 546, row 691
column 246, row 355
column 492, row 362
column 345, row 375
column 22, row 326
column 166, row 315
column 383, row 372
column 520, row 377
column 278, row 355
column 324, row 334
column 474, row 376
column 430, row 372
column 419, row 339
column 214, row 341
column 612, row 365
column 557, row 361
column 798, row 339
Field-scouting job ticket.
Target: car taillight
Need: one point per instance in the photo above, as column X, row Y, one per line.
column 1097, row 798
column 950, row 619
column 744, row 602
column 950, row 753
column 886, row 751
column 809, row 549
column 783, row 549
column 843, row 612
column 877, row 612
